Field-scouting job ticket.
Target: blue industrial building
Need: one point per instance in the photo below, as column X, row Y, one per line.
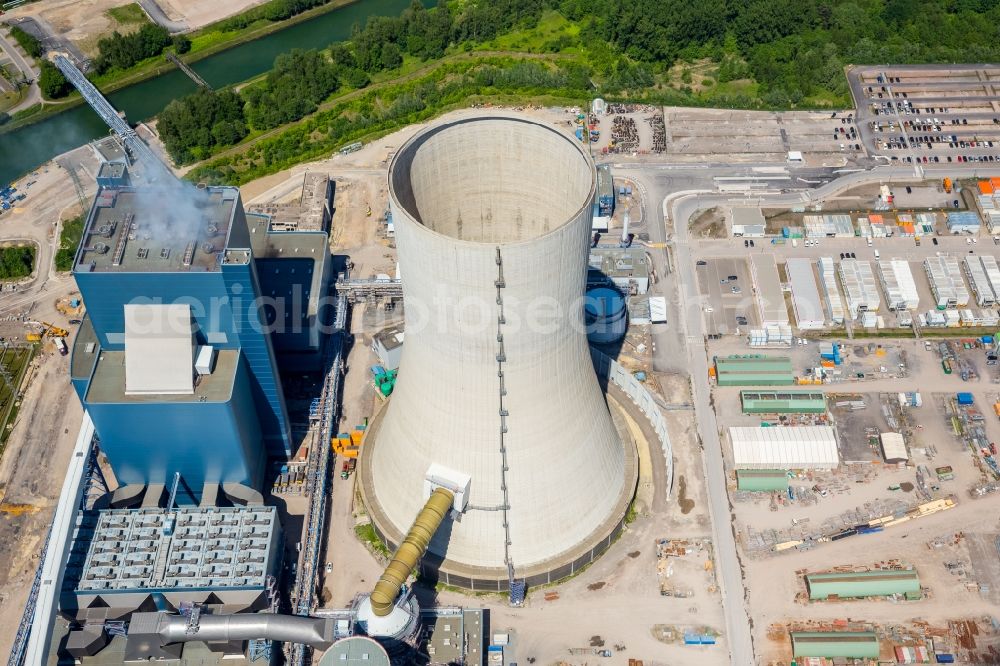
column 189, row 306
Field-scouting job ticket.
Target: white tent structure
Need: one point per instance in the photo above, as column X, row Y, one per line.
column 792, row 447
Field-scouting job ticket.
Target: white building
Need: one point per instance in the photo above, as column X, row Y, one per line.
column 834, row 302
column 897, row 281
column 805, row 296
column 978, row 280
column 748, row 222
column 947, row 284
column 859, row 286
column 767, row 284
column 992, row 273
column 792, row 447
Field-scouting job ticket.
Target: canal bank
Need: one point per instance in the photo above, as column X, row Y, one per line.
column 25, row 148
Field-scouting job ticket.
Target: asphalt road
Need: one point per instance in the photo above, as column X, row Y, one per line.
column 34, row 96
column 157, row 15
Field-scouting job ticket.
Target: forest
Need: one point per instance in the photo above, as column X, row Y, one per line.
column 744, row 53
column 16, row 261
column 122, row 51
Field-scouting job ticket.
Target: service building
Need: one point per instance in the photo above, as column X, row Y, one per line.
column 805, row 296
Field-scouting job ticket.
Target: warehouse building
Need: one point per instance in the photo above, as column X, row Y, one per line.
column 783, row 402
column 893, row 447
column 387, row 345
column 761, row 480
column 947, row 284
column 861, row 584
column 979, row 281
column 748, row 222
column 792, row 447
column 835, row 644
column 767, row 286
column 754, row 370
column 828, row 226
column 834, row 302
column 992, row 271
column 859, row 285
column 963, row 222
column 805, row 296
column 898, row 284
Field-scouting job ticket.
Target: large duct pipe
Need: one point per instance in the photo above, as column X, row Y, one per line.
column 313, row 631
column 413, row 547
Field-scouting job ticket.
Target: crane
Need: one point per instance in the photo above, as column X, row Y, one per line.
column 50, row 329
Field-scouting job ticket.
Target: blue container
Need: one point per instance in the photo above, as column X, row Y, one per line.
column 986, row 339
column 944, row 658
column 965, row 398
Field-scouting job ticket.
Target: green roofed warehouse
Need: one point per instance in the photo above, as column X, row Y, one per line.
column 754, row 370
column 833, row 644
column 855, row 585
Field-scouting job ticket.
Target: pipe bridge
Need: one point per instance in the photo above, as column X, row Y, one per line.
column 155, row 169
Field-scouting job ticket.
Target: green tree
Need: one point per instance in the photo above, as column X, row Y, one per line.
column 182, row 44
column 392, row 57
column 52, row 82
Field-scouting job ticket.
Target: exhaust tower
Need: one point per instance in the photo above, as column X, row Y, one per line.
column 496, row 390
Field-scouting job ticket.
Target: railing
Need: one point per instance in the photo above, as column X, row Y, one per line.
column 305, row 581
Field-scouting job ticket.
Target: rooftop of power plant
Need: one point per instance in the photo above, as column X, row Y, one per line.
column 157, row 549
column 157, row 230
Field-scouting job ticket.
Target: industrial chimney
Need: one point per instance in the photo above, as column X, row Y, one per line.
column 496, row 384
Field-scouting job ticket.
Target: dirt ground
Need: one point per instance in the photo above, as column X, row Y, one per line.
column 31, row 477
column 198, row 13
column 84, row 21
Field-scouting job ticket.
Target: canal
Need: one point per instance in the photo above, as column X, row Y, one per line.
column 26, row 148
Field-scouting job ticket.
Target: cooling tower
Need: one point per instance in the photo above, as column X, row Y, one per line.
column 492, row 219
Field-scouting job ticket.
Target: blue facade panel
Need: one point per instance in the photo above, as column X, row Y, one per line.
column 105, row 294
column 216, row 442
column 241, row 281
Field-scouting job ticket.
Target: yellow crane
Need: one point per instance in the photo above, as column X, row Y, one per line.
column 50, row 329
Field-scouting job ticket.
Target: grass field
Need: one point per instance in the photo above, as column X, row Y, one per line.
column 15, row 362
column 128, row 14
column 69, row 240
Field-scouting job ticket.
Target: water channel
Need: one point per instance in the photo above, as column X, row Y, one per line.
column 27, row 148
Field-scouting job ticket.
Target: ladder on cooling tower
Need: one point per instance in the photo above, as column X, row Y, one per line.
column 516, row 587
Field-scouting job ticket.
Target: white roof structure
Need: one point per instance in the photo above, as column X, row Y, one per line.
column 981, row 286
column 859, row 285
column 893, row 447
column 792, row 447
column 834, row 302
column 159, row 349
column 770, row 299
column 992, row 271
column 657, row 310
column 946, row 280
column 805, row 296
column 897, row 281
column 794, row 155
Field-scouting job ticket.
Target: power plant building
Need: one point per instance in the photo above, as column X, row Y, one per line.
column 495, row 212
column 626, row 268
column 806, row 302
column 189, row 306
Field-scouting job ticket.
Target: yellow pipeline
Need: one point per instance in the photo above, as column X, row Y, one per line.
column 410, row 551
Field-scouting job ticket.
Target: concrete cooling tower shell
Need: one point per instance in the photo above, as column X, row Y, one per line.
column 493, row 218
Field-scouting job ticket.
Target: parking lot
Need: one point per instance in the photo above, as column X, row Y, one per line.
column 725, row 299
column 933, row 114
